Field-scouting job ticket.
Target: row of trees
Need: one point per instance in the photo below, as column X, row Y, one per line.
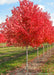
column 28, row 26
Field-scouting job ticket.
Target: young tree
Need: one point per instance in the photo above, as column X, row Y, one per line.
column 20, row 29
column 2, row 39
column 25, row 26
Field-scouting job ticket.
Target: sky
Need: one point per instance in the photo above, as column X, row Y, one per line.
column 7, row 5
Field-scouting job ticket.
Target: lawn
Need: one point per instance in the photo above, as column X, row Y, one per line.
column 49, row 65
column 15, row 61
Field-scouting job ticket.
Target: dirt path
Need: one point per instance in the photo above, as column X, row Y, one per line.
column 34, row 65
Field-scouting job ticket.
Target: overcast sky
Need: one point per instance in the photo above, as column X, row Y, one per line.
column 7, row 5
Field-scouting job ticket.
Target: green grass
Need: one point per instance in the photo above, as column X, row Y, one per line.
column 12, row 51
column 17, row 62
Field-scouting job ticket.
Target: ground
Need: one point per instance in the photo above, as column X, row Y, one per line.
column 44, row 66
column 12, row 58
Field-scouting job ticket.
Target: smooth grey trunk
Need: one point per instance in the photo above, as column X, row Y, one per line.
column 43, row 50
column 37, row 54
column 27, row 60
column 50, row 50
column 3, row 45
column 47, row 49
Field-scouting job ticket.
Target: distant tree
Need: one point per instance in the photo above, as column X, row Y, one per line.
column 2, row 38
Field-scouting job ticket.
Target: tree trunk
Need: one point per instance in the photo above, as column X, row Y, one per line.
column 43, row 50
column 50, row 50
column 3, row 45
column 37, row 55
column 47, row 49
column 27, row 60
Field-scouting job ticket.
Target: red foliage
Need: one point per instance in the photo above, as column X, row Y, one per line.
column 28, row 25
column 2, row 38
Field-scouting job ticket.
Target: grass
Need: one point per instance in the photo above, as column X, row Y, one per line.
column 17, row 62
column 11, row 51
column 49, row 66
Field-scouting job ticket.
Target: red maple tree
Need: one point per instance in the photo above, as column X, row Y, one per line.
column 28, row 26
